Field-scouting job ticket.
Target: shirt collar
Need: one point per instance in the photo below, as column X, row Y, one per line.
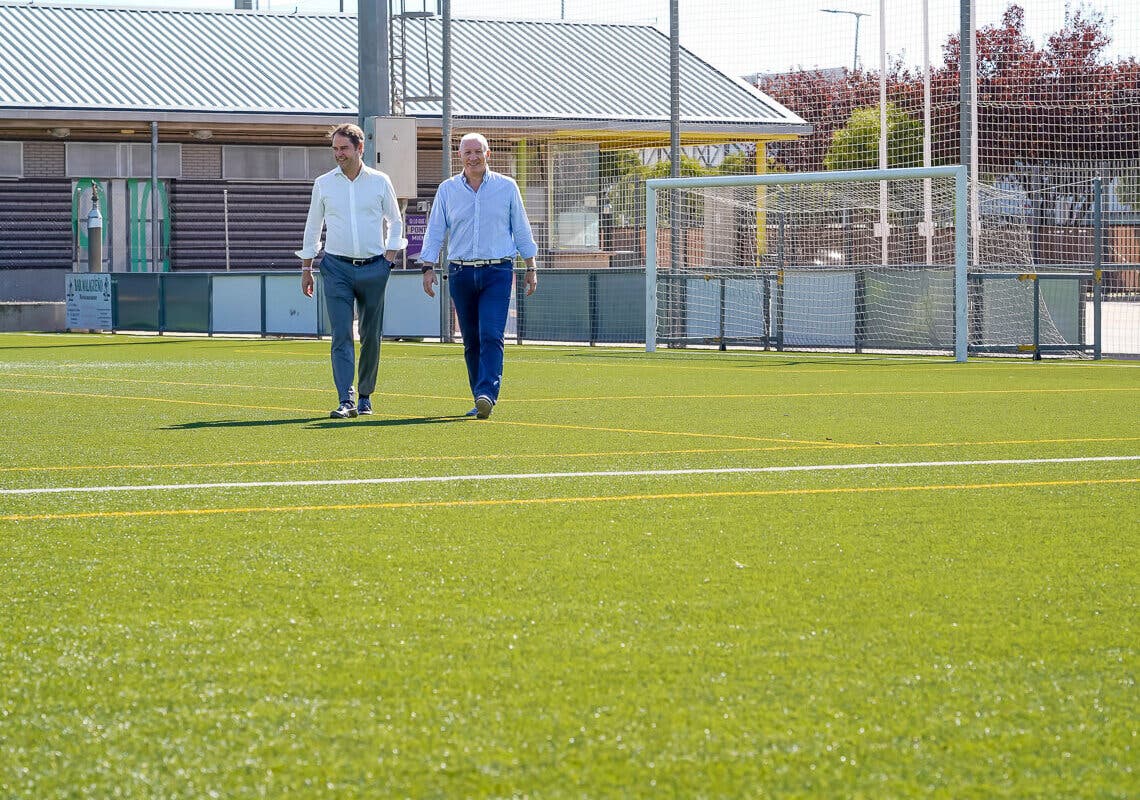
column 340, row 171
column 488, row 175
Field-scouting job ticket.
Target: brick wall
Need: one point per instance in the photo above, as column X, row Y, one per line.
column 45, row 160
column 201, row 161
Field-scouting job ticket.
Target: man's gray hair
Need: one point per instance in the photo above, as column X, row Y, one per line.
column 478, row 137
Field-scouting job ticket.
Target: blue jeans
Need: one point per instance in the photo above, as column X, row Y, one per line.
column 482, row 297
column 344, row 286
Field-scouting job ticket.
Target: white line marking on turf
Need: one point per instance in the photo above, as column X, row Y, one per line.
column 548, row 475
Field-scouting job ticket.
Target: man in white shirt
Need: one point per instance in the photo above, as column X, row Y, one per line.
column 351, row 203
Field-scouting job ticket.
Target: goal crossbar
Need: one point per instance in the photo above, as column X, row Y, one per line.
column 958, row 173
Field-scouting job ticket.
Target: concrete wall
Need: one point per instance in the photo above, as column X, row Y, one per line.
column 33, row 317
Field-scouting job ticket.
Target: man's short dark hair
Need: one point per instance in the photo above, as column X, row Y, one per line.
column 350, row 132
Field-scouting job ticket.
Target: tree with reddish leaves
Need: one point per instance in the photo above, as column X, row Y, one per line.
column 1058, row 107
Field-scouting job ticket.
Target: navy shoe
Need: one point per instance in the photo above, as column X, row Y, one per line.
column 364, row 407
column 483, row 406
column 345, row 410
column 472, row 413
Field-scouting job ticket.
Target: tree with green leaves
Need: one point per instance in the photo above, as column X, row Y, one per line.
column 856, row 145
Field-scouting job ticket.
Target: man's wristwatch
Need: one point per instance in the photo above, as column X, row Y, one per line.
column 425, row 267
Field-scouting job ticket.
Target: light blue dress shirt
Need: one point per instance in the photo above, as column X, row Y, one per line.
column 488, row 224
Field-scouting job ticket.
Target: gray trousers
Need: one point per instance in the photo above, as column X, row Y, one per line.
column 346, row 287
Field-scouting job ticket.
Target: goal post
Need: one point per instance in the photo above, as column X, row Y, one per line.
column 755, row 272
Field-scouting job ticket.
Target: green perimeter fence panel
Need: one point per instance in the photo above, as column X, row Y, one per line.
column 238, row 304
column 136, row 301
column 185, row 302
column 619, row 306
column 202, row 302
column 559, row 311
column 577, row 305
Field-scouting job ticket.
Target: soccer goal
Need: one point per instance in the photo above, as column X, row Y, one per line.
column 857, row 260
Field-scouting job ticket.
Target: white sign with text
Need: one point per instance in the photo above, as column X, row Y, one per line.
column 89, row 300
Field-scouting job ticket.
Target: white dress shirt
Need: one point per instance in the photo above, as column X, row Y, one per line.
column 352, row 214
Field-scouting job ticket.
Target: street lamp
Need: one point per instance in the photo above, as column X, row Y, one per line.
column 857, row 15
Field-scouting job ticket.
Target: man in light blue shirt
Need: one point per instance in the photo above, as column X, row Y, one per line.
column 352, row 203
column 481, row 213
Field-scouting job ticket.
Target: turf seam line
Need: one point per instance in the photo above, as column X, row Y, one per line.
column 409, row 479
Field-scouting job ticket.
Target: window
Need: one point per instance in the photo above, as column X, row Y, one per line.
column 11, row 159
column 102, row 160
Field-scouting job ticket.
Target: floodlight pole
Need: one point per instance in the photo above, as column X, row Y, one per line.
column 445, row 134
column 374, row 87
column 857, row 15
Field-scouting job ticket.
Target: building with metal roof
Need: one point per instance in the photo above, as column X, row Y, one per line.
column 224, row 114
column 95, row 63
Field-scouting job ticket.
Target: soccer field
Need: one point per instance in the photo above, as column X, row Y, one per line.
column 683, row 574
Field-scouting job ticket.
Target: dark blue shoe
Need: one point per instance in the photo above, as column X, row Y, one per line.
column 364, row 407
column 472, row 413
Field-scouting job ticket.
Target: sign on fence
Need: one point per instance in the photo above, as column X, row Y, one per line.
column 89, row 300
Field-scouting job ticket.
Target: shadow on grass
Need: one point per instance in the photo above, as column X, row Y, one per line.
column 313, row 422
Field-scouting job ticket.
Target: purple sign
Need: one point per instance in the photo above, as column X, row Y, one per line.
column 415, row 226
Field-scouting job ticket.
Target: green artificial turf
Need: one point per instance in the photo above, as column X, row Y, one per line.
column 959, row 630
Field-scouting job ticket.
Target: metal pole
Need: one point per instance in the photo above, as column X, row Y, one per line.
column 1098, row 261
column 884, row 225
column 155, row 222
column 373, row 85
column 445, row 134
column 674, row 88
column 226, row 223
column 374, row 92
column 965, row 68
column 676, row 244
column 927, row 194
column 650, row 269
column 445, row 117
column 858, row 15
column 961, row 240
column 967, row 87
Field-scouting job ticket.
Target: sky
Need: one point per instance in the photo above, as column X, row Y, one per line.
column 743, row 37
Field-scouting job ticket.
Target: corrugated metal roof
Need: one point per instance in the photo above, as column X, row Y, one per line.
column 112, row 58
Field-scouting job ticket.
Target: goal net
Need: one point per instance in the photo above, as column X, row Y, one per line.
column 857, row 260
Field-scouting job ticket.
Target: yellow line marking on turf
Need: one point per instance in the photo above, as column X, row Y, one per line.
column 560, row 500
column 243, row 386
column 730, row 436
column 153, row 399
